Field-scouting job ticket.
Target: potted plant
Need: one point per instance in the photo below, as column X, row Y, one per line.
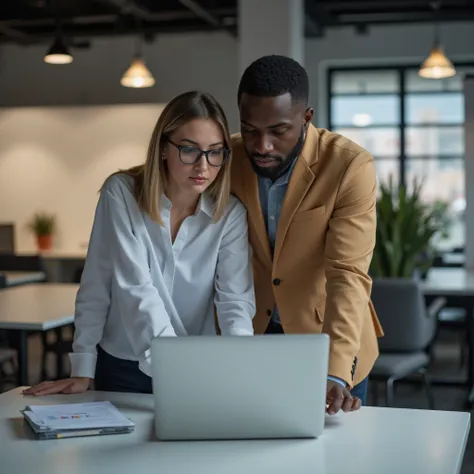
column 406, row 231
column 43, row 226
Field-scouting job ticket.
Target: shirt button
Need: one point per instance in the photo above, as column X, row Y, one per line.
column 272, row 218
column 276, row 281
column 269, row 312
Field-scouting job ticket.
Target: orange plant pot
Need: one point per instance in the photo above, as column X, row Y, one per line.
column 45, row 242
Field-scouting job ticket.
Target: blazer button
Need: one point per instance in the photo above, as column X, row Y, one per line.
column 269, row 312
column 276, row 281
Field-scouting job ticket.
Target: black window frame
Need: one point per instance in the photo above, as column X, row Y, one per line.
column 401, row 71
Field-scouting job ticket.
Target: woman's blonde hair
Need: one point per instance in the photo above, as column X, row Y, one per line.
column 151, row 178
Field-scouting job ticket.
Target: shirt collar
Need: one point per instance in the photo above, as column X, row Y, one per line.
column 286, row 177
column 205, row 204
column 283, row 179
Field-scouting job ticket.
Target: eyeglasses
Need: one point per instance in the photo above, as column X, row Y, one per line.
column 190, row 155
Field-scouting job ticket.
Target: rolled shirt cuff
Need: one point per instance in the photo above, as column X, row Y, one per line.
column 240, row 332
column 83, row 364
column 338, row 380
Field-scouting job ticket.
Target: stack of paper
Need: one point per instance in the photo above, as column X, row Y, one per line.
column 79, row 419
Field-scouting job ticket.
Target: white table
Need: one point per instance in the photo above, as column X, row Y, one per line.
column 23, row 278
column 76, row 253
column 33, row 307
column 454, row 259
column 449, row 282
column 371, row 441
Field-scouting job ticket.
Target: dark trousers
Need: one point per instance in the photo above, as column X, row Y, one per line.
column 360, row 390
column 119, row 375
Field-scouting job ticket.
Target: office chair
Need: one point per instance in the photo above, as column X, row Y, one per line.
column 409, row 328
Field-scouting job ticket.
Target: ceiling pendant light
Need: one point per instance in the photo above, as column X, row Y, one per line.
column 437, row 65
column 58, row 53
column 137, row 75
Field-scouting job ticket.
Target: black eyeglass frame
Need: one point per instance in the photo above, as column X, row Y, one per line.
column 201, row 152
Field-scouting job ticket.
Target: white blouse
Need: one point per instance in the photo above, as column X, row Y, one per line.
column 137, row 285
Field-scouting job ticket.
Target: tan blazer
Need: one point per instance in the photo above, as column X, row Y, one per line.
column 326, row 235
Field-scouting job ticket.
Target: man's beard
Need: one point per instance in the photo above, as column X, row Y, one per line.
column 284, row 164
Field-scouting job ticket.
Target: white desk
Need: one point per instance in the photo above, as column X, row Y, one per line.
column 454, row 259
column 77, row 253
column 449, row 282
column 371, row 441
column 22, row 278
column 35, row 308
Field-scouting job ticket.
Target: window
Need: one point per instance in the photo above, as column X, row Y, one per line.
column 381, row 110
column 413, row 127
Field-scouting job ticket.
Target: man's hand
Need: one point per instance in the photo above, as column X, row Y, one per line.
column 338, row 397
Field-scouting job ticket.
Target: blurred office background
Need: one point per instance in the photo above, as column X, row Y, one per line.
column 82, row 83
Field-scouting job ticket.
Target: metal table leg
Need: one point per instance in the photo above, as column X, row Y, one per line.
column 20, row 343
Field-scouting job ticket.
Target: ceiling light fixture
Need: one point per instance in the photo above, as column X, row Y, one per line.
column 58, row 53
column 137, row 75
column 437, row 65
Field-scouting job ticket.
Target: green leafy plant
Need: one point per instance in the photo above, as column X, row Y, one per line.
column 406, row 230
column 43, row 224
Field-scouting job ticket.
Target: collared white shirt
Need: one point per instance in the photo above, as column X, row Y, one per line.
column 138, row 285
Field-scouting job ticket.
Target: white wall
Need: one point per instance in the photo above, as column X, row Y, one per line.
column 55, row 160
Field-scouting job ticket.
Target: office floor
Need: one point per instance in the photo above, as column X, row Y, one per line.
column 406, row 395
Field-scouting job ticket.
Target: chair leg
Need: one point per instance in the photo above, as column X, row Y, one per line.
column 465, row 346
column 431, row 346
column 44, row 356
column 468, row 342
column 44, row 374
column 429, row 393
column 59, row 355
column 390, row 392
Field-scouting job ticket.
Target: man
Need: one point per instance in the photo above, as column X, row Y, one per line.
column 310, row 196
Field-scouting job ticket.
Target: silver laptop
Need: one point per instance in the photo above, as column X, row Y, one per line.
column 241, row 387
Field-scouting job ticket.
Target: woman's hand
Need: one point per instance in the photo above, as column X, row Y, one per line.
column 71, row 385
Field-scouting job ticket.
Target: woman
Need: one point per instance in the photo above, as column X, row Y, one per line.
column 168, row 245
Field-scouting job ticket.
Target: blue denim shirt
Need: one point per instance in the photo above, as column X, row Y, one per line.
column 271, row 195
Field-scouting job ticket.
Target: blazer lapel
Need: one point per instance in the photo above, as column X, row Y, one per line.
column 301, row 180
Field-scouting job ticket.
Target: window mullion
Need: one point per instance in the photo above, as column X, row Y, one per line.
column 402, row 85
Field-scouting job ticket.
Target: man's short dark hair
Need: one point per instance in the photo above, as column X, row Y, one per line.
column 271, row 76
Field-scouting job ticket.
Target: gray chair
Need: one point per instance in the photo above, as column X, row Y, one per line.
column 409, row 328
